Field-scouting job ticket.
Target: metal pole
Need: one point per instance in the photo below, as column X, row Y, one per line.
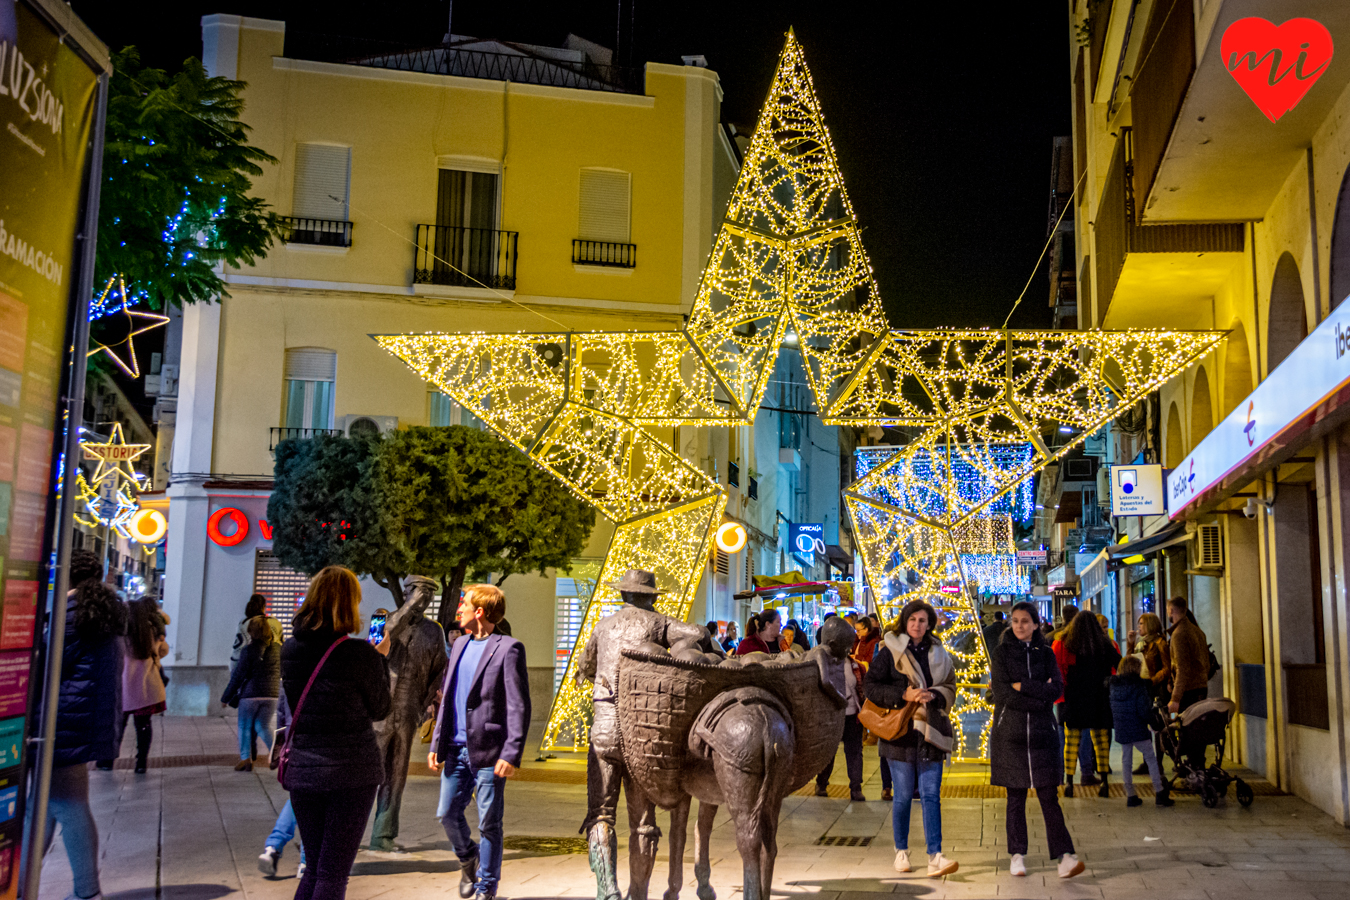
column 56, row 624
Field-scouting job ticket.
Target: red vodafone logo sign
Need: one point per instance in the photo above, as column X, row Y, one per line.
column 229, row 526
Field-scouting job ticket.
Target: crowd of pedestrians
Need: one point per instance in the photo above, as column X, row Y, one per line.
column 1058, row 695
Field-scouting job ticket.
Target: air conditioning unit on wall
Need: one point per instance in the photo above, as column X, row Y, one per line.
column 355, row 425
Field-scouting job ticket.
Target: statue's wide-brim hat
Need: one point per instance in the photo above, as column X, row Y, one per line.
column 636, row 581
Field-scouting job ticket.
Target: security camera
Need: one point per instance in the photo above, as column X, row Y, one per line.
column 1249, row 510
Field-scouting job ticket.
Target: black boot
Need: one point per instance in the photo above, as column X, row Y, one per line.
column 1105, row 789
column 1068, row 785
column 144, row 732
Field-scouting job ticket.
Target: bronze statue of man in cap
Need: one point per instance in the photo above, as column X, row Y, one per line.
column 636, row 623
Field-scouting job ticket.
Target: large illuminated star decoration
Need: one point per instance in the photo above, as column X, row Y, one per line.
column 597, row 409
column 114, row 301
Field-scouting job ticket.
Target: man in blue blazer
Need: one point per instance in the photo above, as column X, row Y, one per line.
column 480, row 735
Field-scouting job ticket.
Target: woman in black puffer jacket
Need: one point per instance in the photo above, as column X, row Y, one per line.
column 1024, row 750
column 333, row 766
column 88, row 713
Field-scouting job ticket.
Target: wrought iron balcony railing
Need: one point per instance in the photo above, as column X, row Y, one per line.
column 465, row 257
column 278, row 435
column 604, row 253
column 320, row 232
column 563, row 70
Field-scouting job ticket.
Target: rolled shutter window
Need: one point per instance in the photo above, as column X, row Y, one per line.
column 311, row 364
column 604, row 206
column 322, row 177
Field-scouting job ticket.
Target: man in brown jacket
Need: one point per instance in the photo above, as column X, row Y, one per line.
column 1190, row 657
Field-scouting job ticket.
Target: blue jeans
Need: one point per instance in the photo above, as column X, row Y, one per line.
column 257, row 718
column 68, row 804
column 929, row 777
column 458, row 781
column 283, row 831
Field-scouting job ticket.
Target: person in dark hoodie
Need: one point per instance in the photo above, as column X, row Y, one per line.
column 1131, row 703
column 254, row 688
column 88, row 714
column 333, row 766
column 1024, row 750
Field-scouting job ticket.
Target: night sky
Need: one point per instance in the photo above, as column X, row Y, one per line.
column 943, row 123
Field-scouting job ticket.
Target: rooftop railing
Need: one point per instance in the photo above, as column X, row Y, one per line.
column 521, row 67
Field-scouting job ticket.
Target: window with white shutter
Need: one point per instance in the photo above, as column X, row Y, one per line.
column 605, row 201
column 322, row 181
column 311, row 374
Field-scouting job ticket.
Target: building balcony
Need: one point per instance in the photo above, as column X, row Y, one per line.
column 604, row 253
column 1206, row 153
column 316, row 232
column 277, row 435
column 1156, row 275
column 465, row 257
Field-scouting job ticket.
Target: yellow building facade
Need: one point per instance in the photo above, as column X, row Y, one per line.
column 493, row 187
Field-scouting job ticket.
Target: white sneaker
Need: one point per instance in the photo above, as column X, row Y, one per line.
column 1018, row 866
column 300, row 872
column 1070, row 865
column 902, row 861
column 267, row 861
column 939, row 865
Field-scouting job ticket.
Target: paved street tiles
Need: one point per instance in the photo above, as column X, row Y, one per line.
column 188, row 831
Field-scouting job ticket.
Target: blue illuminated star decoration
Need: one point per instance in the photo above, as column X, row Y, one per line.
column 114, row 301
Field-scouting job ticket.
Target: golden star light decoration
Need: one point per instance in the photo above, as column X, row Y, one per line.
column 115, row 457
column 597, row 409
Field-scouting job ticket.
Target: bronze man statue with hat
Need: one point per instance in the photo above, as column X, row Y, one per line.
column 635, row 624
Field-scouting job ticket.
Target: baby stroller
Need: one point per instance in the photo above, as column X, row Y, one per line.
column 1201, row 726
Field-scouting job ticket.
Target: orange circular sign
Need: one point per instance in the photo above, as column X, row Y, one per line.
column 148, row 526
column 731, row 537
column 240, row 526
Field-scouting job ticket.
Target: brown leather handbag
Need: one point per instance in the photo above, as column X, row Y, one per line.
column 887, row 724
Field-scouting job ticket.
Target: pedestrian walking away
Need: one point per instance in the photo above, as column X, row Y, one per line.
column 87, row 713
column 911, row 666
column 1131, row 710
column 283, row 832
column 253, row 689
column 337, row 688
column 849, row 676
column 1086, row 658
column 479, row 737
column 1149, row 644
column 255, row 607
column 143, row 680
column 994, row 630
column 1024, row 751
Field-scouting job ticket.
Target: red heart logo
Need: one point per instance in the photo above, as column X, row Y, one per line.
column 1276, row 65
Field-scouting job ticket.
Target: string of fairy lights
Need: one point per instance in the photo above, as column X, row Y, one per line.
column 597, row 410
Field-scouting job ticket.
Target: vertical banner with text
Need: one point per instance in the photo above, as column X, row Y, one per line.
column 47, row 108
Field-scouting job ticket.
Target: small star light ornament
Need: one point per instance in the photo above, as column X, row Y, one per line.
column 111, row 303
column 115, row 458
column 788, row 268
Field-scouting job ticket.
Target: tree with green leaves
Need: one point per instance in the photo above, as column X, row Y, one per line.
column 451, row 503
column 460, row 503
column 323, row 513
column 177, row 171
